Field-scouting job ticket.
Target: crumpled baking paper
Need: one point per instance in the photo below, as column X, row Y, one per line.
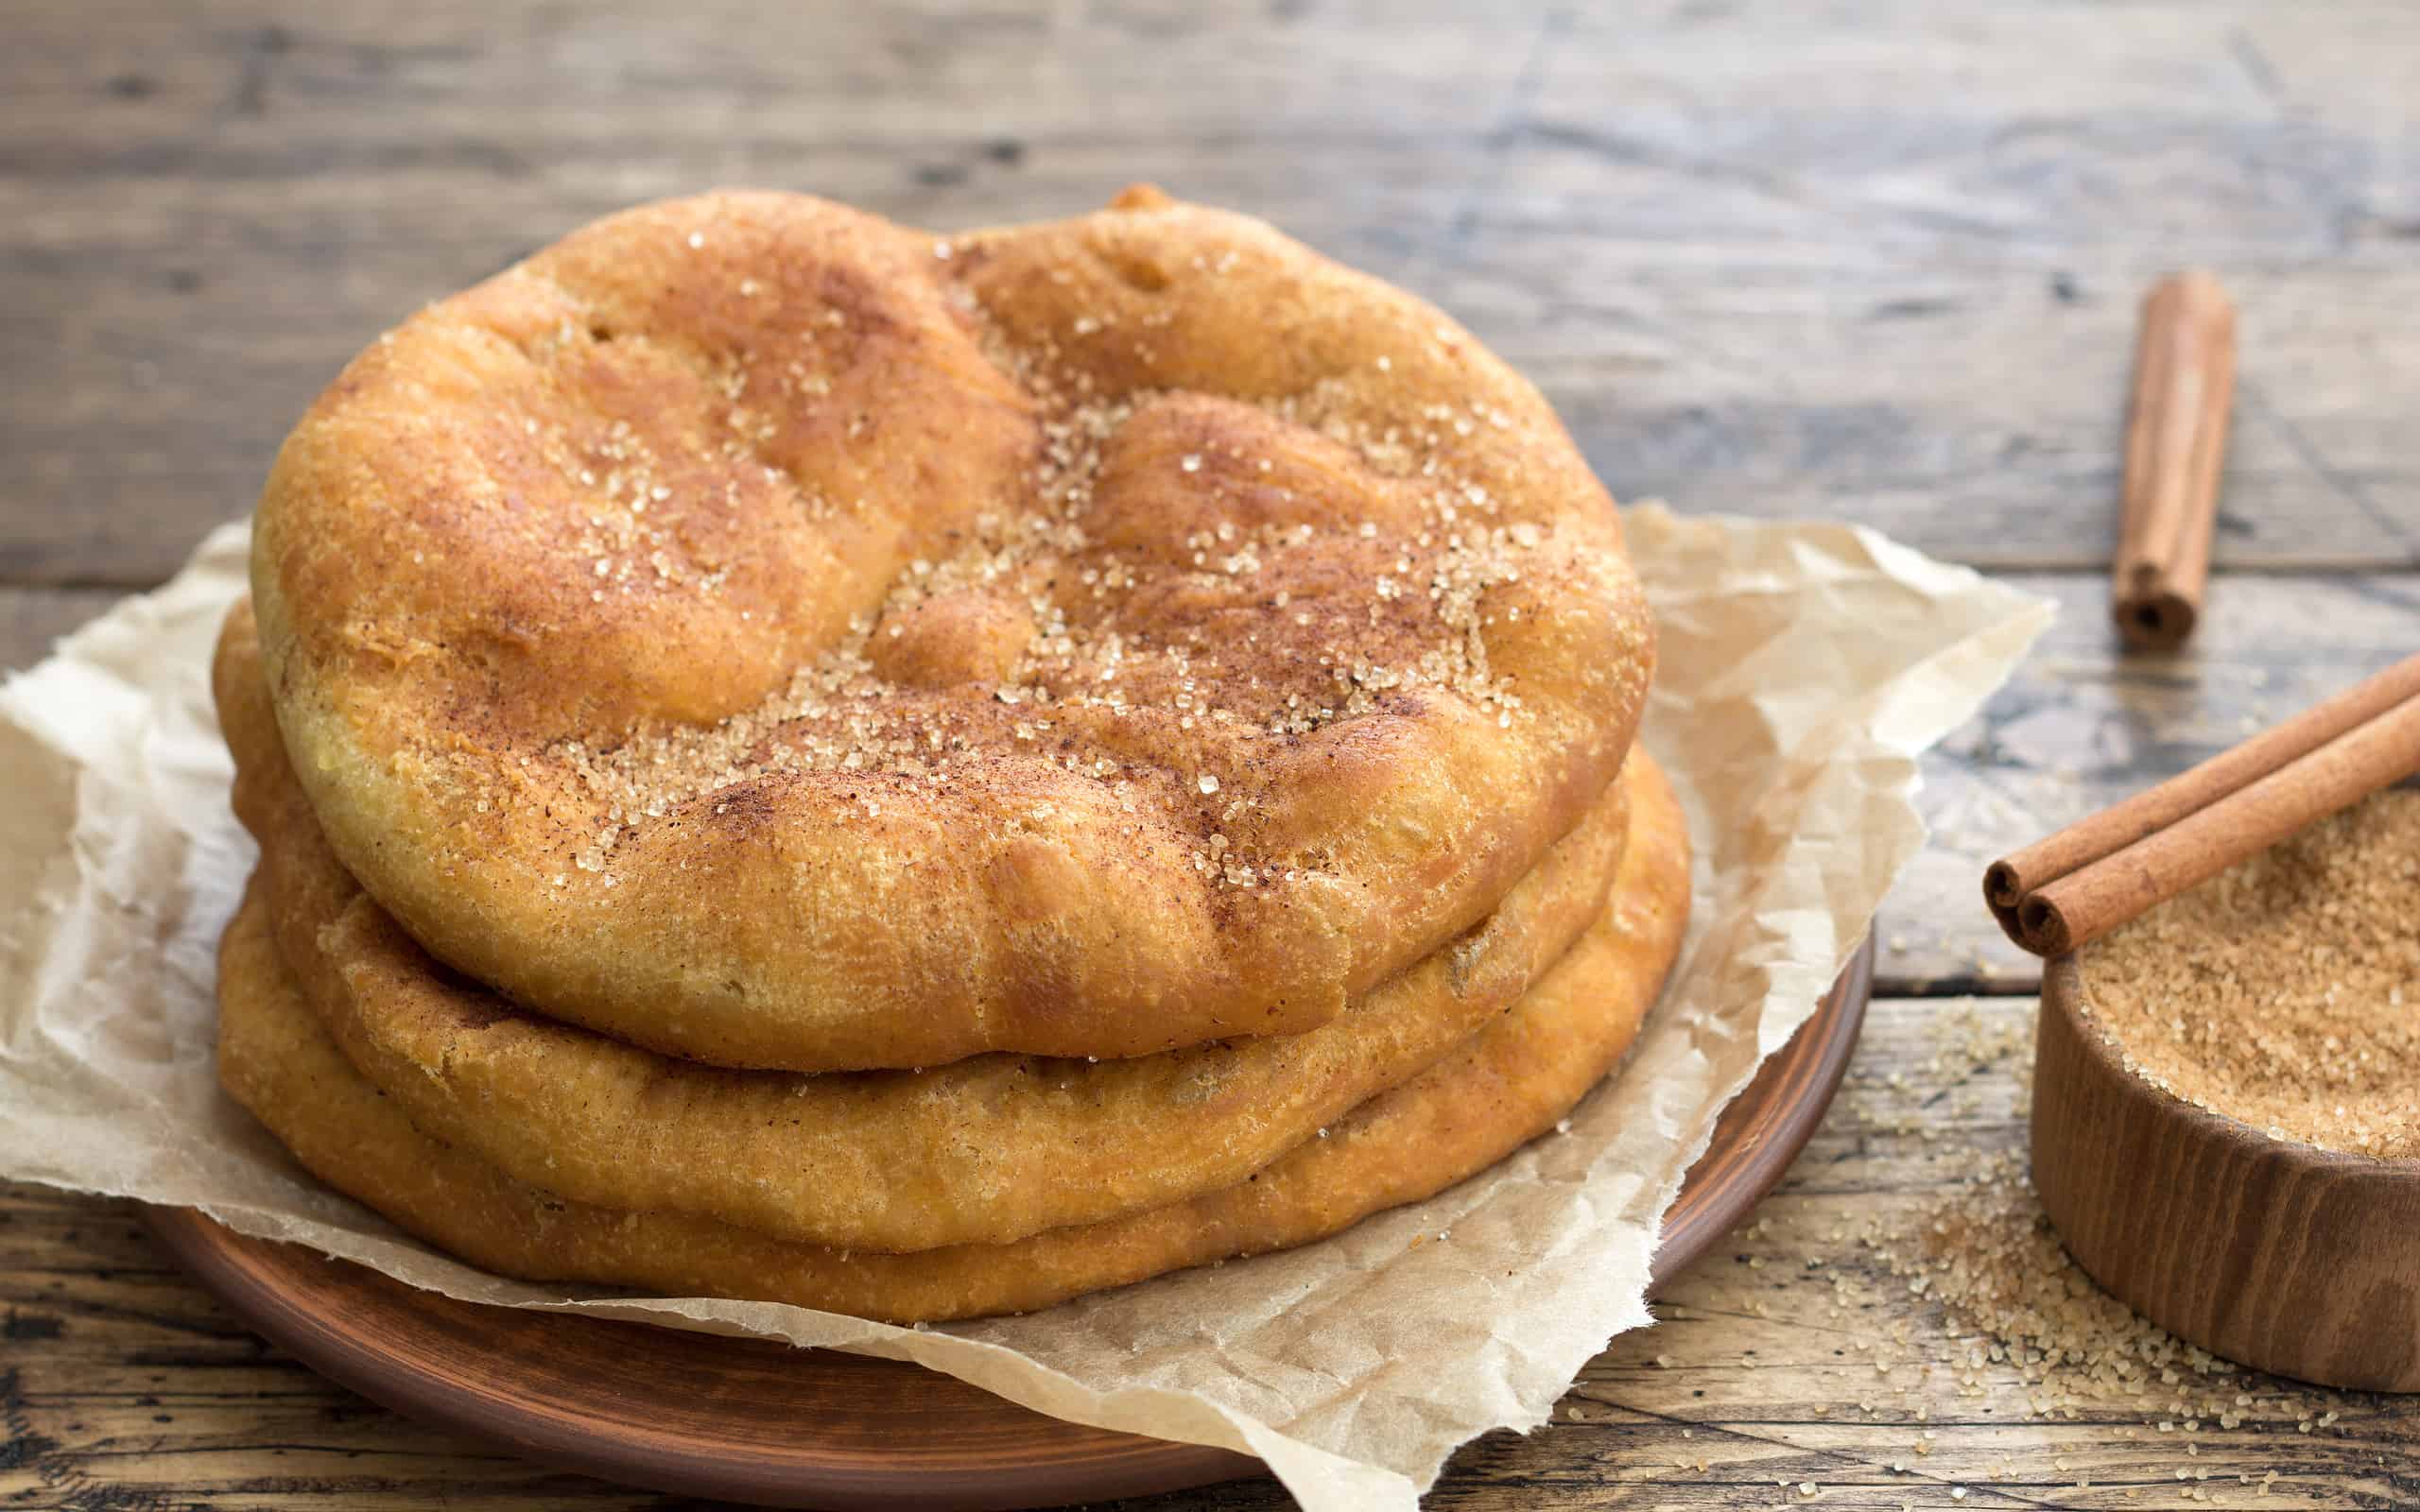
column 1804, row 667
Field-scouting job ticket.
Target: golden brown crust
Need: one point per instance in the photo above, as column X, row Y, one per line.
column 1268, row 628
column 986, row 1150
column 1505, row 1084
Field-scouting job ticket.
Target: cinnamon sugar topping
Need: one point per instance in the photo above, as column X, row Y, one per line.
column 1073, row 633
column 2286, row 992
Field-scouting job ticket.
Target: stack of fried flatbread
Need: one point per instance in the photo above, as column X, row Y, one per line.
column 797, row 759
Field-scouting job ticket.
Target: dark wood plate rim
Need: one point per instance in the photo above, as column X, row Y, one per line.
column 1766, row 1126
column 282, row 1292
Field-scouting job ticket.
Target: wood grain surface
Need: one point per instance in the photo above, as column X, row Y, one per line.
column 122, row 1381
column 1872, row 259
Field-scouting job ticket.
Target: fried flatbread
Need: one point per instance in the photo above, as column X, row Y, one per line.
column 776, row 637
column 985, row 1150
column 1502, row 1087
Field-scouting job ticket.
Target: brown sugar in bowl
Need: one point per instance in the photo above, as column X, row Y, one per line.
column 2299, row 1261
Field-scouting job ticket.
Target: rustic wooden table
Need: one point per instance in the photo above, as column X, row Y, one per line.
column 1869, row 260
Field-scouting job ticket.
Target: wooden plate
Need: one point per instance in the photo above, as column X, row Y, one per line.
column 752, row 1420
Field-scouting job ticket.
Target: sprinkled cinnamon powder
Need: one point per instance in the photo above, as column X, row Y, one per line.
column 2285, row 992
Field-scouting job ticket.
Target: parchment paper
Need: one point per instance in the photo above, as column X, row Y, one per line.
column 1803, row 668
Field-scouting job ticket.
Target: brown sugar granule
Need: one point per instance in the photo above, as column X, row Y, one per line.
column 1953, row 1314
column 1988, row 1255
column 1068, row 629
column 2285, row 992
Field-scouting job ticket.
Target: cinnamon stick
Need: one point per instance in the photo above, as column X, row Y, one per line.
column 2176, row 438
column 2062, row 893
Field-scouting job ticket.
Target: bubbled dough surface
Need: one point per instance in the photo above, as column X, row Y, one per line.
column 1254, row 629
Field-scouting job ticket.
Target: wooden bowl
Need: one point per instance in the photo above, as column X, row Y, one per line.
column 2298, row 1260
